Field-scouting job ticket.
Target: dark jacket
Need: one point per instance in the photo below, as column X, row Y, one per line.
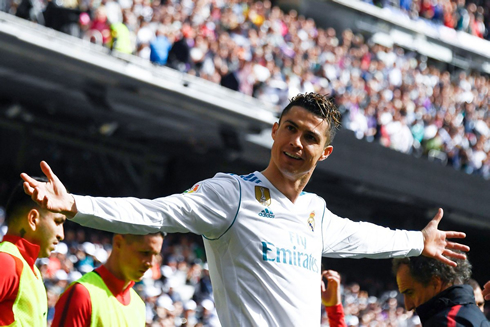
column 454, row 307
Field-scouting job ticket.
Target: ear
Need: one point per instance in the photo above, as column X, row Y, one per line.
column 437, row 284
column 117, row 241
column 326, row 152
column 33, row 219
column 275, row 127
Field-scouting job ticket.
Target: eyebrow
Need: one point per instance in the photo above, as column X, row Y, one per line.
column 404, row 291
column 315, row 134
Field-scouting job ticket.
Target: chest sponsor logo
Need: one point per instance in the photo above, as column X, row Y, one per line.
column 263, row 195
column 192, row 189
column 267, row 213
column 311, row 221
column 289, row 255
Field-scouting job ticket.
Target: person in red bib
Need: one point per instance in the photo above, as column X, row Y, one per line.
column 32, row 233
column 105, row 297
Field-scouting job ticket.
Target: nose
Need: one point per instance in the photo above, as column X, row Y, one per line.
column 408, row 303
column 296, row 140
column 61, row 234
column 149, row 262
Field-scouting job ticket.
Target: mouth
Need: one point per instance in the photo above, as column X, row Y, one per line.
column 290, row 155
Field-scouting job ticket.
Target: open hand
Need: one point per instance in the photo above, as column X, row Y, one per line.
column 51, row 195
column 436, row 244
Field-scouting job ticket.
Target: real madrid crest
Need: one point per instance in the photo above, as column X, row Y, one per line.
column 311, row 221
column 263, row 195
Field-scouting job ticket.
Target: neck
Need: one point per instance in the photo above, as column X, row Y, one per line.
column 19, row 232
column 289, row 185
column 115, row 269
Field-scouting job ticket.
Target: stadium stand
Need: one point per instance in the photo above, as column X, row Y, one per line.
column 472, row 17
column 388, row 94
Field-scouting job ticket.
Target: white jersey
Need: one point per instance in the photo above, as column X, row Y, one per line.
column 264, row 252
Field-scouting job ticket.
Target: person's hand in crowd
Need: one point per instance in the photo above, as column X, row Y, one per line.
column 331, row 291
column 486, row 291
column 51, row 195
column 436, row 244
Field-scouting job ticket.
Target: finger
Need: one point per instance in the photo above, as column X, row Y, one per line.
column 36, row 196
column 455, row 234
column 323, row 287
column 45, row 202
column 446, row 261
column 457, row 246
column 47, row 171
column 455, row 255
column 28, row 189
column 29, row 179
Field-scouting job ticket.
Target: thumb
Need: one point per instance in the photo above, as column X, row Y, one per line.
column 437, row 218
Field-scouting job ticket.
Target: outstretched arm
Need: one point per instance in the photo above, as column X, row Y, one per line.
column 52, row 195
column 486, row 291
column 436, row 244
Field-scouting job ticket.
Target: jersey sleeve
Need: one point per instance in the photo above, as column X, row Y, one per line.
column 74, row 308
column 9, row 286
column 336, row 316
column 208, row 209
column 344, row 238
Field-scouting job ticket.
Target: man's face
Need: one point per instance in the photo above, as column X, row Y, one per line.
column 480, row 302
column 49, row 231
column 299, row 142
column 413, row 292
column 138, row 254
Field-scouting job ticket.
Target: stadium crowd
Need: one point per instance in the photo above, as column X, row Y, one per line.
column 386, row 94
column 177, row 289
column 472, row 16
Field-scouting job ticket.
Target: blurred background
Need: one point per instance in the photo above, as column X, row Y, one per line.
column 147, row 97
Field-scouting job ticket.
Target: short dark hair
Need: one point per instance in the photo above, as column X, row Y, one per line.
column 422, row 269
column 130, row 238
column 474, row 284
column 320, row 105
column 19, row 201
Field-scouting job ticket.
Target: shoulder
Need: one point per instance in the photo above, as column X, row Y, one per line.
column 11, row 265
column 77, row 293
column 74, row 306
column 220, row 183
column 312, row 199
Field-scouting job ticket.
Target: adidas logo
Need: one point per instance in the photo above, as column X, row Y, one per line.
column 266, row 213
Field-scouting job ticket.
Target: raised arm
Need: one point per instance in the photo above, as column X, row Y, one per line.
column 331, row 298
column 436, row 244
column 51, row 195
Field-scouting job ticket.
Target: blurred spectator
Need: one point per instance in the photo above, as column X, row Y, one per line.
column 99, row 30
column 160, row 47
